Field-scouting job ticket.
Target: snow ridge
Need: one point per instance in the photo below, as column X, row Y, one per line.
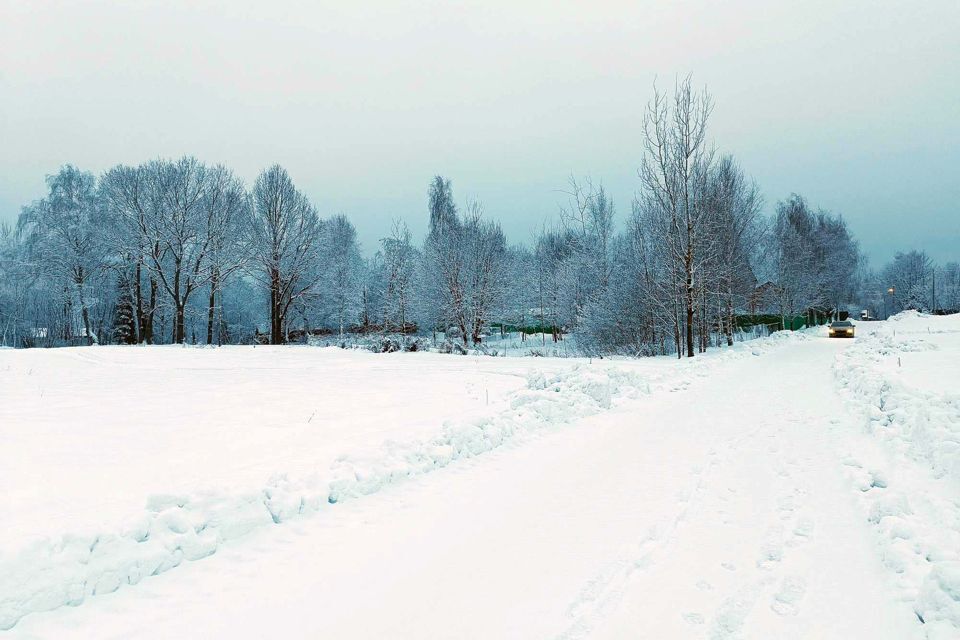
column 174, row 528
column 917, row 521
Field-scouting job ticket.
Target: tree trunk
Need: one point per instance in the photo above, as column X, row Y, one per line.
column 677, row 338
column 138, row 299
column 689, row 304
column 67, row 316
column 84, row 312
column 86, row 322
column 211, row 307
column 276, row 318
column 178, row 322
column 148, row 315
column 731, row 319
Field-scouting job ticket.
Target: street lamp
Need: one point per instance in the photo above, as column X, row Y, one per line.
column 890, row 291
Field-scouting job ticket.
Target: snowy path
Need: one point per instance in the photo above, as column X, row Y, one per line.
column 728, row 517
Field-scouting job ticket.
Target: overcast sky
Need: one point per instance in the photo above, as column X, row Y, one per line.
column 855, row 105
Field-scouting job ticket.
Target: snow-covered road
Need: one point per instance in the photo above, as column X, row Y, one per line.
column 722, row 507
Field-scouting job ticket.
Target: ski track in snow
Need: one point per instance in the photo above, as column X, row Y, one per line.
column 183, row 527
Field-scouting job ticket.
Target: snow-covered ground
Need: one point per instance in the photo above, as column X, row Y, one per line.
column 790, row 487
column 904, row 381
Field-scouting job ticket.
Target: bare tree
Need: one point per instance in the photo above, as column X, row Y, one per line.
column 587, row 219
column 674, row 173
column 226, row 207
column 948, row 291
column 64, row 233
column 286, row 235
column 342, row 271
column 178, row 234
column 131, row 199
column 793, row 258
column 464, row 265
column 372, row 291
column 485, row 247
column 734, row 206
column 399, row 258
column 440, row 278
column 909, row 276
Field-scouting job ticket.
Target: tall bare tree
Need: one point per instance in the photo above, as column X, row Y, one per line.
column 734, row 205
column 226, row 207
column 674, row 174
column 286, row 241
column 399, row 258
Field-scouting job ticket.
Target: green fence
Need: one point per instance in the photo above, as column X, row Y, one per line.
column 776, row 322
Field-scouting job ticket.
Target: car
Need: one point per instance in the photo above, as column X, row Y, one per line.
column 842, row 329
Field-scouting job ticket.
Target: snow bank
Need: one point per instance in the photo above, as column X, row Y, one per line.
column 175, row 528
column 915, row 506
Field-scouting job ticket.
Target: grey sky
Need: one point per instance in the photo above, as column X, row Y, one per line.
column 856, row 105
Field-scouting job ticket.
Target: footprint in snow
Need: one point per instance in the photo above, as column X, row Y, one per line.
column 878, row 480
column 786, row 600
column 770, row 555
column 786, row 503
column 731, row 615
column 803, row 528
column 771, row 551
column 850, row 461
column 729, row 566
column 693, row 618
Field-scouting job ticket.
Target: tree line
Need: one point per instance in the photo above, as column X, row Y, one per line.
column 175, row 251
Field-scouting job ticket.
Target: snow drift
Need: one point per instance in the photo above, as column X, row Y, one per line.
column 916, row 507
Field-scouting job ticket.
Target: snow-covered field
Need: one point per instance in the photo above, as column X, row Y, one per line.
column 790, row 487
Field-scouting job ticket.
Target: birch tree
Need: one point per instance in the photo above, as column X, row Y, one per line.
column 63, row 232
column 342, row 271
column 399, row 261
column 734, row 205
column 464, row 264
column 673, row 174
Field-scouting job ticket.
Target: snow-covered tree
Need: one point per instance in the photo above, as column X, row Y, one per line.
column 342, row 268
column 286, row 234
column 674, row 174
column 63, row 235
column 909, row 276
column 948, row 287
column 399, row 263
column 463, row 267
